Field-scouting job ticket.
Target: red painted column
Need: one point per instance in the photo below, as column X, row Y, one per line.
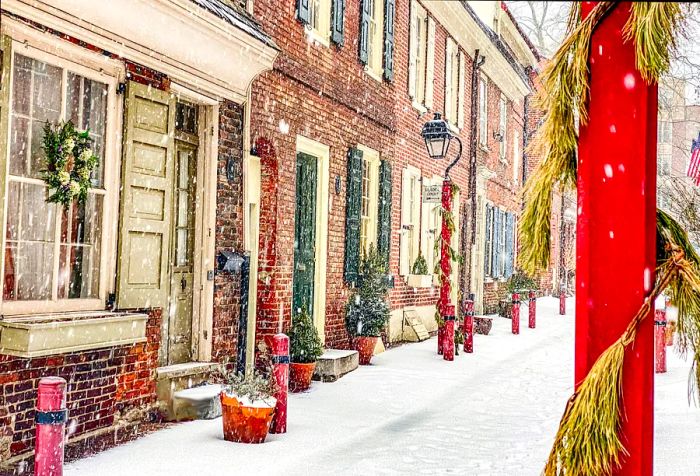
column 660, row 341
column 51, row 416
column 532, row 310
column 616, row 228
column 562, row 303
column 515, row 314
column 280, row 368
column 444, row 306
column 440, row 339
column 469, row 326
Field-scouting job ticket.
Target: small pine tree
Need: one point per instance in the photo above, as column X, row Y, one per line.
column 367, row 311
column 420, row 266
column 304, row 344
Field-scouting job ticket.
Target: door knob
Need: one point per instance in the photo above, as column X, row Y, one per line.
column 183, row 283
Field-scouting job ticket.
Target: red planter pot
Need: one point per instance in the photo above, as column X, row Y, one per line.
column 244, row 424
column 365, row 347
column 300, row 376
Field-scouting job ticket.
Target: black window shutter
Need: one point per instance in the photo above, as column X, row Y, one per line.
column 337, row 16
column 303, row 12
column 365, row 15
column 389, row 10
column 352, row 215
column 489, row 243
column 384, row 218
column 509, row 244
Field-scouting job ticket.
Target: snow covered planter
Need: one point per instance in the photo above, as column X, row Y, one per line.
column 247, row 407
column 305, row 349
column 367, row 311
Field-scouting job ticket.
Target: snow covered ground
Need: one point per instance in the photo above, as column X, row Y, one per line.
column 493, row 412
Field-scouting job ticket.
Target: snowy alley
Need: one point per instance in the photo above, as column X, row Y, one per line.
column 498, row 408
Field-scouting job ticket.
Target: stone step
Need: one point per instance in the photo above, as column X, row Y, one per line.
column 197, row 403
column 334, row 363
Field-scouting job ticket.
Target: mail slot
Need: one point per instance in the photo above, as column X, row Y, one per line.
column 230, row 261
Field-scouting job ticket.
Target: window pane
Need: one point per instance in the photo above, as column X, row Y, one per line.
column 181, row 248
column 18, row 145
column 81, row 233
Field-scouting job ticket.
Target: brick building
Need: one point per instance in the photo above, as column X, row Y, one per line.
column 119, row 295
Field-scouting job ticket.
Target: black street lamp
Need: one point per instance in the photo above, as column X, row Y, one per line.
column 437, row 136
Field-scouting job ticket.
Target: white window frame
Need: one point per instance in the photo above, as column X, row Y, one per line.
column 431, row 221
column 372, row 159
column 453, row 77
column 96, row 67
column 503, row 127
column 483, row 112
column 516, row 156
column 419, row 30
column 375, row 44
column 411, row 214
column 321, row 32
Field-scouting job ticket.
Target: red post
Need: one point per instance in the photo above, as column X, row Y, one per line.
column 280, row 369
column 51, row 416
column 616, row 229
column 441, row 339
column 469, row 326
column 515, row 314
column 562, row 303
column 444, row 305
column 660, row 341
column 532, row 316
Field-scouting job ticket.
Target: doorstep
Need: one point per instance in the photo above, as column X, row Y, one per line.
column 197, row 403
column 334, row 363
column 172, row 379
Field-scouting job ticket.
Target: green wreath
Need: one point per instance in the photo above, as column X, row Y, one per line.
column 69, row 163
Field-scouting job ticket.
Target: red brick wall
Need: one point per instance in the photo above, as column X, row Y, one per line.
column 104, row 386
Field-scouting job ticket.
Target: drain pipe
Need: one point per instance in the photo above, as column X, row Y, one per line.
column 479, row 61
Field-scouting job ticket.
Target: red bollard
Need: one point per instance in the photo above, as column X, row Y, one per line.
column 51, row 416
column 280, row 369
column 515, row 314
column 441, row 339
column 469, row 326
column 562, row 303
column 660, row 341
column 448, row 346
column 531, row 315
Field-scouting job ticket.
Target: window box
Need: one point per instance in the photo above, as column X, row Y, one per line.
column 420, row 280
column 34, row 336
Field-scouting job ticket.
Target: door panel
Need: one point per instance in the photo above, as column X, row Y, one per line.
column 305, row 233
column 144, row 244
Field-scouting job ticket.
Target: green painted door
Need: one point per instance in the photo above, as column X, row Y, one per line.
column 305, row 233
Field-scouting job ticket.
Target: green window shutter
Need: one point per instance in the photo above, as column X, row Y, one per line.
column 384, row 218
column 389, row 12
column 488, row 244
column 509, row 244
column 337, row 17
column 496, row 244
column 352, row 215
column 365, row 15
column 147, row 180
column 303, row 11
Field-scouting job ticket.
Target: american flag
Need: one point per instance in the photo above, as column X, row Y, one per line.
column 694, row 162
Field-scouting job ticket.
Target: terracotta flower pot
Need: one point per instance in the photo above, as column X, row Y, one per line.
column 365, row 347
column 300, row 376
column 482, row 325
column 245, row 424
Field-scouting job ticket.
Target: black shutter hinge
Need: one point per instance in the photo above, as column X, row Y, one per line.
column 121, row 88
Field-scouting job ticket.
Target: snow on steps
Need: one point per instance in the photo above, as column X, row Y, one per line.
column 334, row 363
column 197, row 403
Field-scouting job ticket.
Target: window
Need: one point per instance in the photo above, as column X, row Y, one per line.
column 664, row 164
column 516, row 156
column 419, row 51
column 320, row 19
column 454, row 84
column 665, row 131
column 52, row 253
column 370, row 198
column 483, row 113
column 410, row 219
column 499, row 243
column 431, row 224
column 375, row 36
column 502, row 127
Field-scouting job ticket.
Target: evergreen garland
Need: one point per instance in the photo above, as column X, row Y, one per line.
column 304, row 344
column 455, row 257
column 69, row 163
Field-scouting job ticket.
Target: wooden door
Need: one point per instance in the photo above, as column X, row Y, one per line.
column 305, row 233
column 147, row 178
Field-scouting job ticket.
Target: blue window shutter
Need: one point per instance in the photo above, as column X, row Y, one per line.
column 389, row 13
column 488, row 242
column 303, row 12
column 509, row 244
column 337, row 22
column 365, row 15
column 384, row 218
column 352, row 215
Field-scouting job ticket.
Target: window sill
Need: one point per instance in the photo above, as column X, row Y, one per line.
column 419, row 280
column 453, row 127
column 483, row 148
column 49, row 334
column 316, row 37
column 419, row 107
column 376, row 75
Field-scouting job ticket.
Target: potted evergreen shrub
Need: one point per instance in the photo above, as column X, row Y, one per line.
column 367, row 311
column 304, row 349
column 420, row 277
column 247, row 406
